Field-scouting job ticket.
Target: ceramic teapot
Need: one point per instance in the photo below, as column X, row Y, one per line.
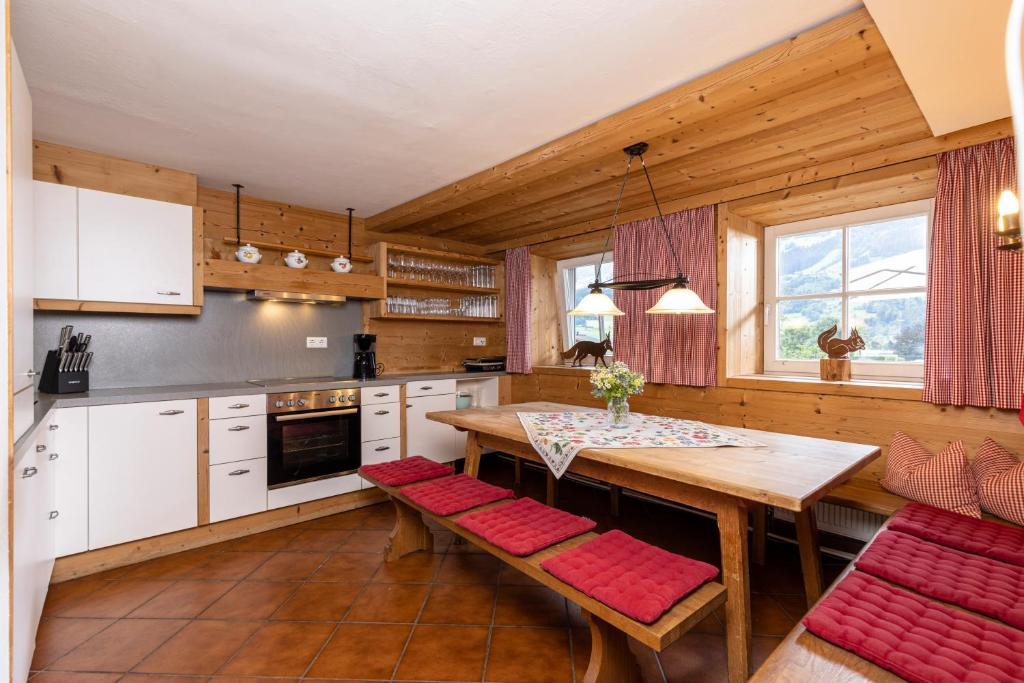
column 248, row 254
column 296, row 259
column 341, row 265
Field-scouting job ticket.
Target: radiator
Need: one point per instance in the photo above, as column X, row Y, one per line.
column 842, row 521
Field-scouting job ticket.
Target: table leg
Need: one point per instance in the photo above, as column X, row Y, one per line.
column 611, row 660
column 519, row 474
column 810, row 554
column 473, row 450
column 732, row 532
column 409, row 535
column 614, row 500
column 552, row 490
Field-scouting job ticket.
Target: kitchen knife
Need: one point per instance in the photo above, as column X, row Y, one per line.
column 85, row 343
column 88, row 360
column 79, row 359
column 79, row 339
column 63, row 362
column 65, row 332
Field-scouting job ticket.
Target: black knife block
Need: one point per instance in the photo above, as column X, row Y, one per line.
column 53, row 381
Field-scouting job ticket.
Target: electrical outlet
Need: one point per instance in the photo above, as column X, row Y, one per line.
column 479, row 341
column 316, row 342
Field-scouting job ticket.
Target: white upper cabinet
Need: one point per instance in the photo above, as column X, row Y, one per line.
column 133, row 250
column 21, row 207
column 56, row 241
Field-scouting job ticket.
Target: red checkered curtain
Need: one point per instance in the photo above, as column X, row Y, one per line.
column 974, row 334
column 517, row 310
column 667, row 349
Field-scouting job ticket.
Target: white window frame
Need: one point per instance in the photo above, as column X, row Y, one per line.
column 907, row 371
column 564, row 292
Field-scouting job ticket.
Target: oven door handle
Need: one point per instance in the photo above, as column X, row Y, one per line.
column 321, row 413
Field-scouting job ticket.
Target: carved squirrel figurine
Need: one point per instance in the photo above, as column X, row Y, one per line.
column 839, row 348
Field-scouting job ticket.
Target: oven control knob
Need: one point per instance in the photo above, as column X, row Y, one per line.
column 302, row 401
column 351, row 397
column 291, row 403
column 279, row 404
column 332, row 399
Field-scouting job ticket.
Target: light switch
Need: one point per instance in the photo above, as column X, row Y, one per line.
column 316, row 342
column 479, row 341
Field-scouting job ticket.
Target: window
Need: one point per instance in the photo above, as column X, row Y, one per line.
column 575, row 276
column 866, row 270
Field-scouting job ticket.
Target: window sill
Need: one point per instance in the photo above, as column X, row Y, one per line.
column 868, row 388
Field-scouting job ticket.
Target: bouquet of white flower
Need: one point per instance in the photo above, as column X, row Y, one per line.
column 616, row 384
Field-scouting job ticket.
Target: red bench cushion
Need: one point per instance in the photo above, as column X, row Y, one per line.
column 978, row 536
column 401, row 472
column 973, row 582
column 525, row 526
column 1000, row 478
column 630, row 576
column 454, row 494
column 943, row 479
column 918, row 639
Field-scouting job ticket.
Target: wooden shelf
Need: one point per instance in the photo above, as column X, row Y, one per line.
column 234, row 275
column 442, row 255
column 272, row 246
column 433, row 318
column 399, row 283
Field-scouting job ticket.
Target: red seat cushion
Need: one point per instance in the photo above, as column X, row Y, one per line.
column 401, row 472
column 973, row 582
column 525, row 526
column 454, row 494
column 918, row 639
column 638, row 579
column 943, row 479
column 1000, row 477
column 978, row 536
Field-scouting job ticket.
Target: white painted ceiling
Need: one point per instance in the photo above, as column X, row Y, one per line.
column 951, row 55
column 336, row 103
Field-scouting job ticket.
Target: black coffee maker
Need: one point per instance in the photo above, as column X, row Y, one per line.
column 366, row 365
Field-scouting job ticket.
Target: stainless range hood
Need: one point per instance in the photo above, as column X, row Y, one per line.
column 293, row 297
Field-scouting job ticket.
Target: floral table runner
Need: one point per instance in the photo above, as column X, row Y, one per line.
column 558, row 437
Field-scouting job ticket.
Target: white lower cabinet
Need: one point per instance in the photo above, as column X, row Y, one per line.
column 312, row 490
column 69, row 437
column 428, row 438
column 240, row 438
column 142, row 470
column 238, row 489
column 374, row 452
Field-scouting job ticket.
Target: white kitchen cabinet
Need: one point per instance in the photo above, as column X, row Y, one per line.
column 373, row 395
column 142, row 470
column 33, row 544
column 238, row 406
column 374, row 452
column 238, row 489
column 380, row 421
column 133, row 250
column 312, row 490
column 428, row 438
column 241, row 438
column 432, row 387
column 69, row 445
column 21, row 213
column 55, row 216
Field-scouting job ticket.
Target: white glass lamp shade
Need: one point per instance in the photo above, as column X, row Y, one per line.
column 596, row 303
column 679, row 300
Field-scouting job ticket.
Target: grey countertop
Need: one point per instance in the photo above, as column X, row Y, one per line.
column 99, row 397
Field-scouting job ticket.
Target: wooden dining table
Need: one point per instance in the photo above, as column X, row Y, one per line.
column 786, row 471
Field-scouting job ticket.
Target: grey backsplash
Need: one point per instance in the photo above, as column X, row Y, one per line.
column 232, row 341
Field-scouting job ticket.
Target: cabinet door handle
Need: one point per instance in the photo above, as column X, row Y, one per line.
column 426, row 388
column 382, row 448
column 54, row 428
column 238, row 428
column 238, row 406
column 29, row 472
column 382, row 394
column 237, row 473
column 381, row 412
column 171, row 412
column 54, row 456
column 40, row 447
column 31, row 373
column 169, row 293
column 54, row 514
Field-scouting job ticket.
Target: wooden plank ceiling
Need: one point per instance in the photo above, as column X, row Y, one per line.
column 825, row 103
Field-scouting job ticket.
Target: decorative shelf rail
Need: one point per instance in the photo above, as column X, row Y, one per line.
column 234, row 275
column 309, row 251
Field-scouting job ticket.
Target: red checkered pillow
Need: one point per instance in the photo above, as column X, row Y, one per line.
column 942, row 479
column 1000, row 478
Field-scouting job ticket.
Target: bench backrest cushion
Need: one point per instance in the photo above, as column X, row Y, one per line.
column 942, row 479
column 1000, row 477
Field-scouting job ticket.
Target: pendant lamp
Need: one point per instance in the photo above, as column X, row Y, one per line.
column 678, row 300
column 1008, row 228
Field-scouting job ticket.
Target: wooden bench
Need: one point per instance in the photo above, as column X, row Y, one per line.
column 610, row 658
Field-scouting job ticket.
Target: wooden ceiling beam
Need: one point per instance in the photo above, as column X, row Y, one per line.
column 694, row 99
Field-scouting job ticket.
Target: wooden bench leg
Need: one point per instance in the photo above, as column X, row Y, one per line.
column 611, row 660
column 519, row 475
column 410, row 534
column 759, row 537
column 810, row 554
column 615, row 498
column 552, row 494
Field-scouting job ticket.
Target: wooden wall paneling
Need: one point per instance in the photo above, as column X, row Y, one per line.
column 72, row 305
column 740, row 306
column 203, row 459
column 504, row 390
column 419, row 345
column 545, row 313
column 71, row 166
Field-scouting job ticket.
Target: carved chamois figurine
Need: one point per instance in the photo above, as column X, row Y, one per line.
column 588, row 348
column 839, row 348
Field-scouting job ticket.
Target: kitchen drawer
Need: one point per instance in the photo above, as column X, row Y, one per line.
column 238, row 489
column 382, row 421
column 430, row 387
column 372, row 395
column 374, row 452
column 240, row 438
column 313, row 490
column 238, row 406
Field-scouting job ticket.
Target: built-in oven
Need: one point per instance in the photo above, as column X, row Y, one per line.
column 312, row 435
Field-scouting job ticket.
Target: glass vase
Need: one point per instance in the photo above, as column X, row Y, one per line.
column 618, row 413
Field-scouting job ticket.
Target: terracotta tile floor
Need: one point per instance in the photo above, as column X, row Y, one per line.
column 314, row 602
